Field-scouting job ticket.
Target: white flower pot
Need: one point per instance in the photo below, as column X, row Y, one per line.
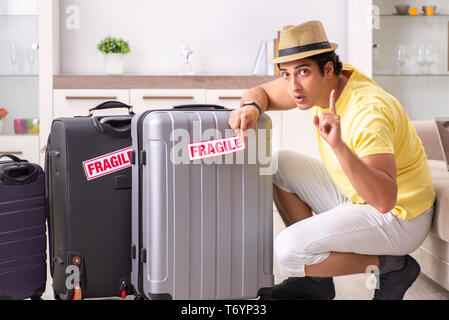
column 2, row 122
column 113, row 63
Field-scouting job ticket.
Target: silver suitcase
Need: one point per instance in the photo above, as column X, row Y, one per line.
column 201, row 229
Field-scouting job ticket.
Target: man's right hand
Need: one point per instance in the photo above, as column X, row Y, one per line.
column 243, row 119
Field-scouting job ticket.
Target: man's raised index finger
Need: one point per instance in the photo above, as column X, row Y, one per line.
column 332, row 102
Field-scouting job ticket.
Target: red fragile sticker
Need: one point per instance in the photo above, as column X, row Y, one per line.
column 214, row 148
column 108, row 163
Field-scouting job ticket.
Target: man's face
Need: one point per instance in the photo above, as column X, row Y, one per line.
column 305, row 82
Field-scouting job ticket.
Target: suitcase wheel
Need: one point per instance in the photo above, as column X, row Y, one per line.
column 265, row 293
column 56, row 296
column 38, row 294
column 123, row 289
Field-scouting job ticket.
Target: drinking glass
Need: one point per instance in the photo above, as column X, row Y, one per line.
column 13, row 57
column 430, row 59
column 401, row 57
column 31, row 55
column 421, row 59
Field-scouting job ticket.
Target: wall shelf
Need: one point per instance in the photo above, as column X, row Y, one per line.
column 409, row 75
column 19, row 15
column 19, row 75
column 410, row 16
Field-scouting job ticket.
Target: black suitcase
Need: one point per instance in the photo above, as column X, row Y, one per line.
column 23, row 268
column 88, row 174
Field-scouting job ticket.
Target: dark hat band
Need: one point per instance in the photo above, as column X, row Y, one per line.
column 304, row 48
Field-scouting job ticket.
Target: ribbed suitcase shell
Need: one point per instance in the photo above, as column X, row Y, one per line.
column 23, row 269
column 89, row 219
column 200, row 231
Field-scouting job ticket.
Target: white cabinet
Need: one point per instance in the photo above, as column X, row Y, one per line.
column 145, row 99
column 298, row 132
column 77, row 102
column 23, row 146
column 227, row 98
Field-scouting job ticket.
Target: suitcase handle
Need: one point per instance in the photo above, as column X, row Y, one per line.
column 19, row 174
column 111, row 105
column 117, row 126
column 199, row 107
column 12, row 157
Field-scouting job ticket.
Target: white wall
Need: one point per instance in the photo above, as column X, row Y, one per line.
column 360, row 34
column 224, row 35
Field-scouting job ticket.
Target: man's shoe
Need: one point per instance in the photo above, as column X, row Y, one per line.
column 394, row 284
column 303, row 288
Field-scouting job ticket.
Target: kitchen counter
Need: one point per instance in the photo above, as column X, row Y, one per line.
column 158, row 82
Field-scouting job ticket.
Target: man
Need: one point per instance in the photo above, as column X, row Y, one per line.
column 372, row 194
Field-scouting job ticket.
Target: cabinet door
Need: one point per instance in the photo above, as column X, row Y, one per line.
column 276, row 125
column 298, row 132
column 226, row 98
column 147, row 99
column 23, row 146
column 77, row 102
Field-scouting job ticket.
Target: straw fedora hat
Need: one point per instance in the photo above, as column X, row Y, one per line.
column 302, row 41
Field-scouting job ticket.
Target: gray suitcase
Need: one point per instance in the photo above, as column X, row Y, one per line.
column 201, row 229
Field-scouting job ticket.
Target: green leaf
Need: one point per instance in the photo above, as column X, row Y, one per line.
column 113, row 45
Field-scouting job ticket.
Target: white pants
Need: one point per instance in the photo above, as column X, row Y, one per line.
column 338, row 224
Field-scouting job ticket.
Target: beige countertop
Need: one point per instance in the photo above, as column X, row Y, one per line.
column 158, row 82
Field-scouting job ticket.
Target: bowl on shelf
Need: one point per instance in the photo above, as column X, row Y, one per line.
column 433, row 10
column 402, row 9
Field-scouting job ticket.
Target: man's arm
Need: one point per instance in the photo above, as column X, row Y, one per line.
column 272, row 95
column 373, row 176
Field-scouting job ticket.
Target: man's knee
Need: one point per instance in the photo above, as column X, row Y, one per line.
column 289, row 250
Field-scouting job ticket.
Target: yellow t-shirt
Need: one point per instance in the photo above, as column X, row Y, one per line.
column 373, row 121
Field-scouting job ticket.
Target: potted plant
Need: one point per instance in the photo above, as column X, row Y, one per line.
column 114, row 51
column 3, row 114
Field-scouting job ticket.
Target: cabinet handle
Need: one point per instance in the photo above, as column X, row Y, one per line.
column 90, row 98
column 16, row 153
column 168, row 97
column 229, row 98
